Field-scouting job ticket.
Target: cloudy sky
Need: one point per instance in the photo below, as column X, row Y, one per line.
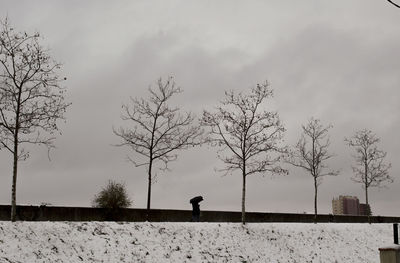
column 335, row 60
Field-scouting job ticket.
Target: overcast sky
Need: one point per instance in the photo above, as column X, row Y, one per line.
column 335, row 60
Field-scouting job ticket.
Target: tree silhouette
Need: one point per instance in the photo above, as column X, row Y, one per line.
column 31, row 99
column 370, row 169
column 158, row 130
column 311, row 153
column 251, row 135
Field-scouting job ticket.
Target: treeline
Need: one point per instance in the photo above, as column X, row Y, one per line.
column 247, row 136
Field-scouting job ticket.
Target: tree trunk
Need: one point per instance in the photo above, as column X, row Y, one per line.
column 151, row 164
column 244, row 200
column 366, row 175
column 315, row 200
column 314, row 174
column 15, row 164
column 366, row 187
column 14, row 185
column 149, row 191
column 366, row 180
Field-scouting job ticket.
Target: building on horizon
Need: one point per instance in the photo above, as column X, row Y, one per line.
column 349, row 205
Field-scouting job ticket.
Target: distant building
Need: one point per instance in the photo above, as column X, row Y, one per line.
column 349, row 205
column 337, row 207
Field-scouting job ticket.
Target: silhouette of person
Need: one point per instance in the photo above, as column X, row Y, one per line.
column 196, row 208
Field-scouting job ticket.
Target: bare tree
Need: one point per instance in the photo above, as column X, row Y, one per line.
column 311, row 153
column 393, row 3
column 31, row 99
column 370, row 169
column 158, row 130
column 250, row 134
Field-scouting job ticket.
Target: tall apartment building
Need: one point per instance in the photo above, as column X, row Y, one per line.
column 349, row 205
column 346, row 205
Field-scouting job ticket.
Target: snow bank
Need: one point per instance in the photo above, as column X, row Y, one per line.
column 190, row 242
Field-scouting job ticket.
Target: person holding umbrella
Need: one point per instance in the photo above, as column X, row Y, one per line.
column 196, row 208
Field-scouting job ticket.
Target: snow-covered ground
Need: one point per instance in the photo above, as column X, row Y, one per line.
column 190, row 242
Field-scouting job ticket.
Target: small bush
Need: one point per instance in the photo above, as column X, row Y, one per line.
column 114, row 196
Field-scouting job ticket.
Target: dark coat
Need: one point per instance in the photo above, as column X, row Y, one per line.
column 196, row 209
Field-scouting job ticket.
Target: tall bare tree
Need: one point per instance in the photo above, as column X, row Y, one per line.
column 311, row 154
column 158, row 130
column 251, row 135
column 370, row 168
column 31, row 99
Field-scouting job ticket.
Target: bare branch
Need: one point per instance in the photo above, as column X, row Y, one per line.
column 246, row 132
column 393, row 3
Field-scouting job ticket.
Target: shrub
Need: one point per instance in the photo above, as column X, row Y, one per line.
column 114, row 196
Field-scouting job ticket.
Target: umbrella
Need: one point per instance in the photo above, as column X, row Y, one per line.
column 196, row 199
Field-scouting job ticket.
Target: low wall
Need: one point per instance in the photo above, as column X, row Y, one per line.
column 54, row 213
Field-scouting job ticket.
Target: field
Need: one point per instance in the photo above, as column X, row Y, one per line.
column 190, row 242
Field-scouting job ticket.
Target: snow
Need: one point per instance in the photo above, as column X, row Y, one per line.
column 190, row 242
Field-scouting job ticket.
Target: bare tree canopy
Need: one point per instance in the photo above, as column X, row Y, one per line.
column 370, row 168
column 251, row 135
column 311, row 154
column 158, row 130
column 31, row 99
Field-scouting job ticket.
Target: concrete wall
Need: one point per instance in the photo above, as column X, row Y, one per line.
column 53, row 213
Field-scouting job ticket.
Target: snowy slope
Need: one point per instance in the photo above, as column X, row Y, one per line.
column 190, row 242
